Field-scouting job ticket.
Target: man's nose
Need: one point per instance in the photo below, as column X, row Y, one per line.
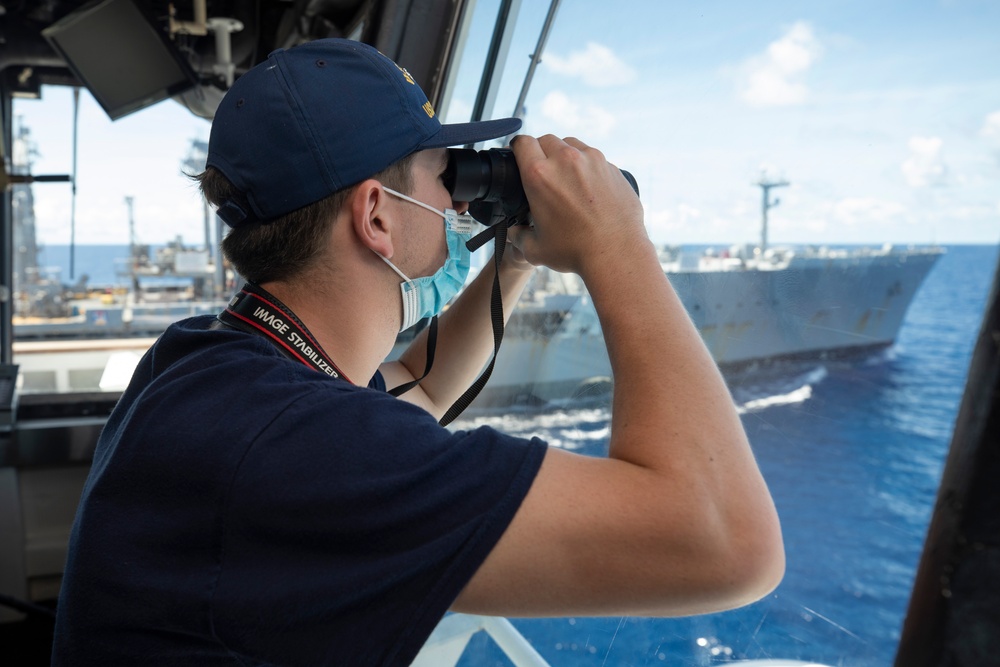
column 460, row 206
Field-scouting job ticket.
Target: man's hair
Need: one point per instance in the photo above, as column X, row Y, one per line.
column 285, row 247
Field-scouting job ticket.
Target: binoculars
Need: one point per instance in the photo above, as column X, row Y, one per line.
column 491, row 182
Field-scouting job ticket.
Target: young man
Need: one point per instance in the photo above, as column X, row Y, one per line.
column 258, row 498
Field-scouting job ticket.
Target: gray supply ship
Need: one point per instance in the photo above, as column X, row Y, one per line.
column 751, row 312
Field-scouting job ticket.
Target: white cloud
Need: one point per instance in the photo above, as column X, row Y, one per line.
column 662, row 221
column 854, row 211
column 991, row 132
column 597, row 65
column 925, row 167
column 775, row 77
column 991, row 126
column 585, row 121
column 687, row 213
column 664, row 224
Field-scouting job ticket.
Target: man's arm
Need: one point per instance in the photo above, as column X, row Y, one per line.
column 465, row 338
column 678, row 519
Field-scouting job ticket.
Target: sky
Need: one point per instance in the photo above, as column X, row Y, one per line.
column 883, row 116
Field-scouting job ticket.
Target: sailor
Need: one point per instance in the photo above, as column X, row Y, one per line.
column 258, row 497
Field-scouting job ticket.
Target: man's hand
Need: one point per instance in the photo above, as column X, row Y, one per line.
column 583, row 210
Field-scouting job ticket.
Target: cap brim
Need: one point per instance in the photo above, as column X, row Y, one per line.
column 457, row 134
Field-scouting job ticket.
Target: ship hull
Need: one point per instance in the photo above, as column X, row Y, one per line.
column 815, row 307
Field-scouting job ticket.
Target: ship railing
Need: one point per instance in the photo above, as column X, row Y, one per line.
column 445, row 646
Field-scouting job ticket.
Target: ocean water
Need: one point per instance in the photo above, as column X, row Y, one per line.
column 852, row 452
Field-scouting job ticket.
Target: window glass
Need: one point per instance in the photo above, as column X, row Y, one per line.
column 878, row 129
column 867, row 136
column 133, row 251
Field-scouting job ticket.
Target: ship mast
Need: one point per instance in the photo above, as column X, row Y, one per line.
column 26, row 270
column 766, row 204
column 133, row 250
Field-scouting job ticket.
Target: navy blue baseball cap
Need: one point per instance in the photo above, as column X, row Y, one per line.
column 320, row 117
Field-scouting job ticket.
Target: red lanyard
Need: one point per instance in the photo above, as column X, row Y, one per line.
column 255, row 310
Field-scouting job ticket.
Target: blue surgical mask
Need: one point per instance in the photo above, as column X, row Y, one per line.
column 427, row 296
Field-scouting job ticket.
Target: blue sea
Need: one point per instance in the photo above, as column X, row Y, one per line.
column 852, row 452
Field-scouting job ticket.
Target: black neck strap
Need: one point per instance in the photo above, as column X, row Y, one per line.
column 255, row 310
column 499, row 234
column 432, row 334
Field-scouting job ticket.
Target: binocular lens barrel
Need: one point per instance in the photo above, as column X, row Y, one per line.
column 467, row 176
column 491, row 176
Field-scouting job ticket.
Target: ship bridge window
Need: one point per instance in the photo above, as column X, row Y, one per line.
column 788, row 155
column 97, row 276
column 791, row 162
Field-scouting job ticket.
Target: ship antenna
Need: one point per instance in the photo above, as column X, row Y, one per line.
column 133, row 251
column 766, row 204
column 72, row 205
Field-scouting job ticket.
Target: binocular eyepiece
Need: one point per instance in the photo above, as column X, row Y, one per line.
column 491, row 182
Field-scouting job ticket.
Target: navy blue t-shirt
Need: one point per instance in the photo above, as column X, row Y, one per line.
column 245, row 509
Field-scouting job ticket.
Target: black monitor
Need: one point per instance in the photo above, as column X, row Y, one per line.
column 120, row 54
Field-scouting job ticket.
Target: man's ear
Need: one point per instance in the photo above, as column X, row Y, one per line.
column 372, row 217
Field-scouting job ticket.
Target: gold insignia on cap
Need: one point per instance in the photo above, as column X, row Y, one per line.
column 429, row 109
column 406, row 75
